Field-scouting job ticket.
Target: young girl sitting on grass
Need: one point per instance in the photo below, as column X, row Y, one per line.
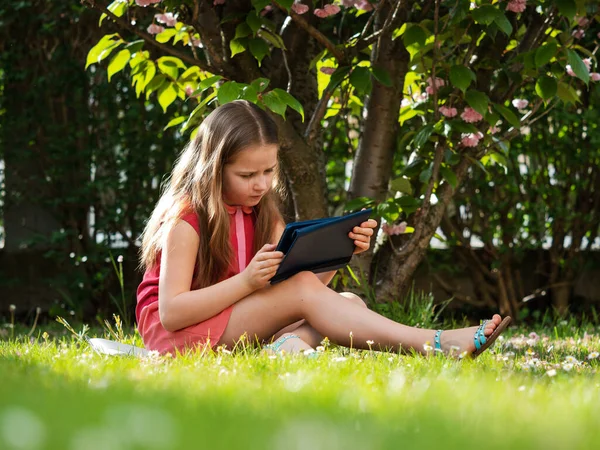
column 209, row 252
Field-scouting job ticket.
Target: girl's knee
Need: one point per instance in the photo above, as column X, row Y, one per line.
column 304, row 280
column 354, row 298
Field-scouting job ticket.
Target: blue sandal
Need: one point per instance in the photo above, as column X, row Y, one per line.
column 481, row 342
column 275, row 346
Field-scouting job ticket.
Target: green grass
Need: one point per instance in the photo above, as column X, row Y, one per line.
column 56, row 393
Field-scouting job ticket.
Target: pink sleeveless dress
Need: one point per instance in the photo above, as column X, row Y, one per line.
column 208, row 332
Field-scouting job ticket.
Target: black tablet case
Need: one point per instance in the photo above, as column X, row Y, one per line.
column 319, row 245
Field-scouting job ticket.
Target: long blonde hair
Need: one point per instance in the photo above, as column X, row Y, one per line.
column 196, row 184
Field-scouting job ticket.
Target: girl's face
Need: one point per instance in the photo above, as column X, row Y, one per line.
column 249, row 176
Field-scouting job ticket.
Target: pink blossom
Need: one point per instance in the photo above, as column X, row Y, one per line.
column 328, row 70
column 145, row 3
column 267, row 9
column 448, row 111
column 167, row 18
column 196, row 42
column 494, row 129
column 595, row 76
column 392, row 230
column 405, row 102
column 422, row 97
column 569, row 70
column 517, row 6
column 155, row 29
column 434, row 85
column 218, row 2
column 321, row 13
column 471, row 139
column 363, row 5
column 189, row 90
column 578, row 33
column 582, row 21
column 588, row 63
column 520, row 103
column 332, row 9
column 469, row 115
column 299, row 8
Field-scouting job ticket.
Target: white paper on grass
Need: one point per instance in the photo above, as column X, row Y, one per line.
column 108, row 347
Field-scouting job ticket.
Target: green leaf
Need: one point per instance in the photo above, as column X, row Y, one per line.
column 462, row 127
column 546, row 87
column 567, row 93
column 382, row 75
column 273, row 38
column 237, row 46
column 478, row 101
column 242, row 30
column 208, row 82
column 169, row 65
column 290, row 101
column 485, row 14
column 167, row 95
column 274, row 103
column 402, row 185
column 229, row 92
column 425, row 176
column 337, row 77
column 118, row 62
column 545, row 53
column 249, row 93
column 508, row 115
column 360, row 78
column 423, row 135
column 567, row 8
column 145, row 77
column 449, row 176
column 259, row 49
column 103, row 48
column 118, row 8
column 260, row 84
column 358, row 203
column 164, row 36
column 134, row 46
column 461, row 77
column 175, row 121
column 414, row 35
column 578, row 66
column 504, row 24
column 156, row 83
column 253, row 21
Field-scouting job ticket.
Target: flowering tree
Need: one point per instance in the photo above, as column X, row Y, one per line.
column 426, row 90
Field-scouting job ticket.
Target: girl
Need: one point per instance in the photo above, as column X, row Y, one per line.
column 208, row 251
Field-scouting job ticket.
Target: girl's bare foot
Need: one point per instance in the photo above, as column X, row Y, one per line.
column 458, row 341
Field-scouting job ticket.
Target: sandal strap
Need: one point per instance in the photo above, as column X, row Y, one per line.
column 479, row 337
column 279, row 342
column 436, row 340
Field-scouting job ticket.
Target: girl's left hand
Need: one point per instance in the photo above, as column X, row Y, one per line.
column 362, row 235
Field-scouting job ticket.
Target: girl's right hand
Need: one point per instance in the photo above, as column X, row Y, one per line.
column 262, row 267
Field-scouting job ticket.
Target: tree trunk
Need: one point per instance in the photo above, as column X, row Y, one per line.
column 401, row 268
column 374, row 158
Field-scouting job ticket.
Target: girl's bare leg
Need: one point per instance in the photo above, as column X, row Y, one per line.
column 308, row 336
column 261, row 314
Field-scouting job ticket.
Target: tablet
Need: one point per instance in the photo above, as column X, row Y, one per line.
column 319, row 245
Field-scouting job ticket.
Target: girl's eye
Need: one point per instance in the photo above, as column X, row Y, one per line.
column 246, row 176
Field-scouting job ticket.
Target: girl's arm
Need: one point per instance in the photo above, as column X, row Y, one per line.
column 177, row 305
column 325, row 277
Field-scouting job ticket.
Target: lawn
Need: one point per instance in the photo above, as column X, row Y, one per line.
column 537, row 388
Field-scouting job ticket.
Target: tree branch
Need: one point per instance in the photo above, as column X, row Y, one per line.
column 168, row 49
column 316, row 34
